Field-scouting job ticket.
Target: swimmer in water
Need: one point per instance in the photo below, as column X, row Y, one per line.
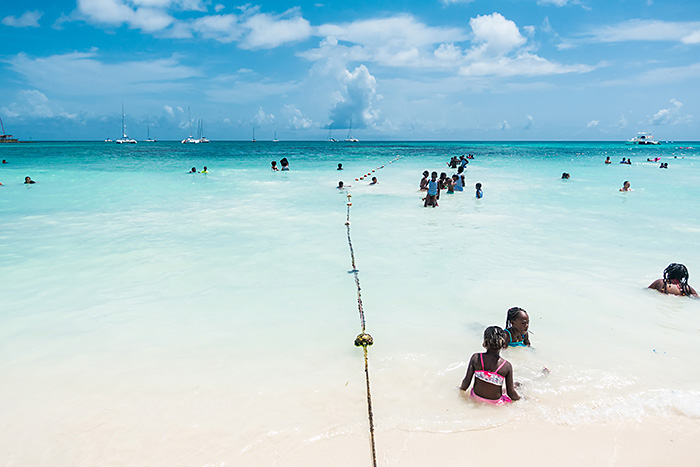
column 341, row 185
column 674, row 282
column 424, row 181
column 607, row 160
column 340, row 167
column 374, row 181
column 193, row 170
column 626, row 186
column 274, row 167
column 517, row 324
column 479, row 193
column 204, row 171
column 565, row 176
column 489, row 371
column 284, row 163
column 28, row 181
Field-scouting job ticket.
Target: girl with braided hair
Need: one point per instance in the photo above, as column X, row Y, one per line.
column 490, row 371
column 517, row 324
column 674, row 282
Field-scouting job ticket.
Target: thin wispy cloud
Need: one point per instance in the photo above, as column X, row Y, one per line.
column 29, row 19
column 647, row 31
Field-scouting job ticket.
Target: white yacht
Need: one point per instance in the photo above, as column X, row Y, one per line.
column 643, row 138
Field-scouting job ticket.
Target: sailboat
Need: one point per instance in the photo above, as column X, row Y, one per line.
column 350, row 138
column 330, row 134
column 124, row 139
column 275, row 140
column 189, row 139
column 149, row 140
column 202, row 139
column 4, row 137
column 253, row 134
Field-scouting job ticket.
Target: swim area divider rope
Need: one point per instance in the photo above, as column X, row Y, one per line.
column 363, row 339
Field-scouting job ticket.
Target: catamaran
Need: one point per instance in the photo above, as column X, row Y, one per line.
column 124, row 139
column 350, row 138
column 189, row 139
column 202, row 139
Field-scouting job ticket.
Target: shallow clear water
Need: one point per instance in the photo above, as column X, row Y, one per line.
column 137, row 298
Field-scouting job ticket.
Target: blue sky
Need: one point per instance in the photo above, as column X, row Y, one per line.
column 416, row 70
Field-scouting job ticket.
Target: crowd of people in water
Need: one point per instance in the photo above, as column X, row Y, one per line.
column 433, row 185
column 492, row 375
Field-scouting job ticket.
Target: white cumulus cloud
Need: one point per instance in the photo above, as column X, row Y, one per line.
column 262, row 118
column 267, row 31
column 495, row 35
column 296, row 118
column 592, row 124
column 355, row 104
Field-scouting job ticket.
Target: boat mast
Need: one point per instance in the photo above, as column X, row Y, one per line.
column 189, row 118
column 123, row 127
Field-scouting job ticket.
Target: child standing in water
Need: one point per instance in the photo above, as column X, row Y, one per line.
column 517, row 324
column 433, row 191
column 479, row 193
column 488, row 384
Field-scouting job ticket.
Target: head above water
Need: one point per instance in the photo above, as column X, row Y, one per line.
column 517, row 318
column 340, row 184
column 494, row 338
column 676, row 271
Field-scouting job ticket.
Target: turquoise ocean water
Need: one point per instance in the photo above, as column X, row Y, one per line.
column 143, row 307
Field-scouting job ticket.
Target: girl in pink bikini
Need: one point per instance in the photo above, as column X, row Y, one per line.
column 490, row 371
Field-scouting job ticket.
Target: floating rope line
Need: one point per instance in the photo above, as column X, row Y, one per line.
column 363, row 339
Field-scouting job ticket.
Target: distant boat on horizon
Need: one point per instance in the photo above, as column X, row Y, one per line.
column 202, row 138
column 124, row 139
column 189, row 139
column 330, row 134
column 275, row 140
column 350, row 138
column 253, row 135
column 4, row 137
column 643, row 137
column 149, row 140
